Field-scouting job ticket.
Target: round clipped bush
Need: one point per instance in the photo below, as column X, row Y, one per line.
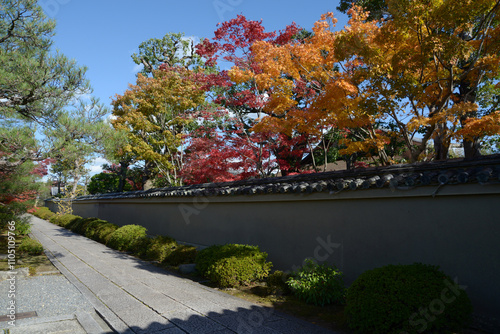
column 317, row 284
column 181, row 254
column 126, row 237
column 232, row 264
column 30, row 246
column 77, row 225
column 141, row 246
column 64, row 220
column 155, row 249
column 53, row 219
column 92, row 228
column 43, row 213
column 102, row 232
column 404, row 299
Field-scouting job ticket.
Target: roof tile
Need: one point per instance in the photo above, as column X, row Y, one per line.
column 483, row 170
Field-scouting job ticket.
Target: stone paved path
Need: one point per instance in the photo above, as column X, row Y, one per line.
column 133, row 296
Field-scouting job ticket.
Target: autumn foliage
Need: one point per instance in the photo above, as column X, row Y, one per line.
column 260, row 101
column 155, row 113
column 244, row 96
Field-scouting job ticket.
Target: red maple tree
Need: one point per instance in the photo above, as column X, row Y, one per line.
column 231, row 46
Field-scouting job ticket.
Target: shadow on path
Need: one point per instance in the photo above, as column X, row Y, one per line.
column 257, row 320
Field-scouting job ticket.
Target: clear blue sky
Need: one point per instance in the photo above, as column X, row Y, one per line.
column 102, row 35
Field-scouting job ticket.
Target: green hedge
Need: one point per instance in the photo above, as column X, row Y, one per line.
column 104, row 232
column 155, row 249
column 413, row 298
column 232, row 264
column 81, row 225
column 226, row 265
column 181, row 254
column 127, row 237
column 276, row 282
column 43, row 213
column 99, row 230
column 64, row 220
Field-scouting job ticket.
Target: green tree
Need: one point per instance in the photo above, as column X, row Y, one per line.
column 103, row 183
column 81, row 133
column 172, row 50
column 44, row 111
column 115, row 151
column 35, row 83
column 108, row 181
column 377, row 8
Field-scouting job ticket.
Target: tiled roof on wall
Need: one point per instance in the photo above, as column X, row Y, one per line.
column 483, row 170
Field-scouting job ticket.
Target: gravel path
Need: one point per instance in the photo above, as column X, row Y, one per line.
column 56, row 301
column 49, row 296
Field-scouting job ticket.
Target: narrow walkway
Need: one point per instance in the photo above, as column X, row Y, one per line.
column 134, row 296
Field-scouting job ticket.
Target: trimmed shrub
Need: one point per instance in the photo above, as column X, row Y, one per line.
column 232, row 264
column 91, row 228
column 126, row 237
column 54, row 219
column 35, row 211
column 141, row 246
column 64, row 220
column 413, row 298
column 317, row 284
column 182, row 254
column 30, row 246
column 102, row 232
column 81, row 225
column 43, row 213
column 276, row 282
column 155, row 249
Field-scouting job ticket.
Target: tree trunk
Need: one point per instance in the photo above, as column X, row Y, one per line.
column 76, row 179
column 472, row 148
column 468, row 93
column 350, row 161
column 146, row 177
column 123, row 175
column 441, row 144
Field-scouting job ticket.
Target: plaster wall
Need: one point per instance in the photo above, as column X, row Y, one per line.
column 454, row 227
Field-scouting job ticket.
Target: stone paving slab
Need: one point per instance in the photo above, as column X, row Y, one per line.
column 133, row 296
column 55, row 327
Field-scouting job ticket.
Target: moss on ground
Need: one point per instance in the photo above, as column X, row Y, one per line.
column 38, row 264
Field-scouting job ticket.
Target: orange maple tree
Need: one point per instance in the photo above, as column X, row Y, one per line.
column 311, row 71
column 426, row 64
column 419, row 71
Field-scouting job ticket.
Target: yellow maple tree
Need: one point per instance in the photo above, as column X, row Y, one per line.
column 155, row 114
column 425, row 66
column 419, row 71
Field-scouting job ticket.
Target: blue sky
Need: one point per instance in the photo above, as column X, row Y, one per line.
column 102, row 35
